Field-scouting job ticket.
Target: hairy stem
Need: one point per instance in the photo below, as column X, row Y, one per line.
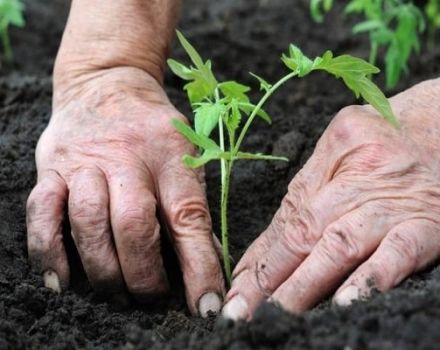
column 224, row 223
column 226, row 168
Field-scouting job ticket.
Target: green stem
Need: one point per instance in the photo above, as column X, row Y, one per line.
column 225, row 167
column 257, row 108
column 224, row 223
column 7, row 49
column 222, row 141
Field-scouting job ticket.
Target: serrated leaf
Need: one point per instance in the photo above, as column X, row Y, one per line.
column 206, row 117
column 354, row 72
column 234, row 117
column 234, row 90
column 348, row 65
column 202, row 81
column 201, row 141
column 264, row 85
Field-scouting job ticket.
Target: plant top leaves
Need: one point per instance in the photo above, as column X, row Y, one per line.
column 353, row 71
column 11, row 13
column 202, row 82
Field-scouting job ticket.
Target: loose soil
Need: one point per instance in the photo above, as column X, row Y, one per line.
column 239, row 36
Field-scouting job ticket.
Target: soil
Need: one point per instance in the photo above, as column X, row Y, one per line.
column 239, row 36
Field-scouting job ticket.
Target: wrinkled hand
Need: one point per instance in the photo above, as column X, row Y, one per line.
column 363, row 213
column 111, row 156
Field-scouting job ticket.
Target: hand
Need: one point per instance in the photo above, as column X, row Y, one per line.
column 111, row 155
column 363, row 213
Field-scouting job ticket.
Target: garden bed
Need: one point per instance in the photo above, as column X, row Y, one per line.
column 239, row 36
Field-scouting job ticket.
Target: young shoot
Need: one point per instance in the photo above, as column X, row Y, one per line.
column 11, row 13
column 226, row 106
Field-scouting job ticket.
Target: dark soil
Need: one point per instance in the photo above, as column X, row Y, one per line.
column 239, row 36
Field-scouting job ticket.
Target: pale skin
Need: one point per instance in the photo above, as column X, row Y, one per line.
column 363, row 213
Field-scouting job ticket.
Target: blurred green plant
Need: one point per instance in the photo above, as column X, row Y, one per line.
column 432, row 12
column 11, row 14
column 393, row 25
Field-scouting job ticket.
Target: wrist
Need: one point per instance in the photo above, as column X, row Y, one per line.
column 103, row 35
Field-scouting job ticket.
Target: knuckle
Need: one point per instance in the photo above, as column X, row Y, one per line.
column 340, row 246
column 346, row 127
column 299, row 236
column 88, row 211
column 136, row 220
column 190, row 215
column 404, row 245
column 42, row 196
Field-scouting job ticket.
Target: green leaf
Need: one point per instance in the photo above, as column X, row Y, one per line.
column 202, row 83
column 196, row 162
column 354, row 72
column 367, row 26
column 233, row 118
column 264, row 85
column 249, row 107
column 180, row 70
column 191, row 51
column 11, row 13
column 297, row 61
column 347, row 65
column 201, row 141
column 234, row 90
column 207, row 116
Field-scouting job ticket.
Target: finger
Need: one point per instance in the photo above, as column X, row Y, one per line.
column 407, row 248
column 291, row 247
column 90, row 223
column 186, row 213
column 304, row 185
column 136, row 232
column 44, row 218
column 344, row 245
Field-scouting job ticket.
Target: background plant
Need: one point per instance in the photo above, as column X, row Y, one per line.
column 11, row 13
column 432, row 12
column 227, row 107
column 392, row 25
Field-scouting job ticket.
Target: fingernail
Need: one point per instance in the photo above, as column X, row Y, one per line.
column 346, row 296
column 209, row 303
column 236, row 309
column 52, row 281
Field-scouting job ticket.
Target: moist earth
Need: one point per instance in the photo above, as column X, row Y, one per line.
column 239, row 36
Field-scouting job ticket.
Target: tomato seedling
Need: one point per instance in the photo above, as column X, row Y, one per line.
column 392, row 24
column 11, row 13
column 227, row 107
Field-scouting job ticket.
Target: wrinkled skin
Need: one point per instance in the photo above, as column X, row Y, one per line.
column 363, row 213
column 112, row 159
